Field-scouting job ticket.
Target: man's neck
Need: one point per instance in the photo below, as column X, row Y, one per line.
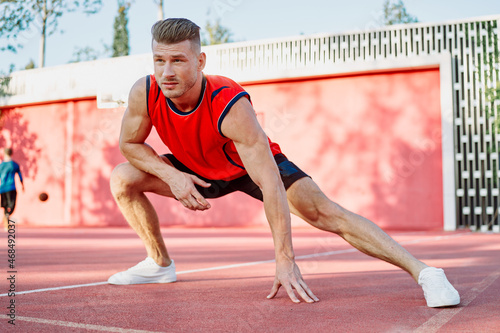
column 189, row 100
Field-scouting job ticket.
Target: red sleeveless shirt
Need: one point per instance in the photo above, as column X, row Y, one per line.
column 194, row 137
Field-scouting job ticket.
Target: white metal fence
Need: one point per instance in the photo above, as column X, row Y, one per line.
column 472, row 44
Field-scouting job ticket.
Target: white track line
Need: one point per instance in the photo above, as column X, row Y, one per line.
column 444, row 316
column 57, row 288
column 226, row 267
column 308, row 256
column 76, row 325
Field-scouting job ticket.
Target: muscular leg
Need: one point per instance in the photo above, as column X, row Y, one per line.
column 128, row 185
column 307, row 201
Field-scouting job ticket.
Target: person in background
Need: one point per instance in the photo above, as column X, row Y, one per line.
column 8, row 170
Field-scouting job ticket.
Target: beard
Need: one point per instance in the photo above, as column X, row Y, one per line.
column 180, row 88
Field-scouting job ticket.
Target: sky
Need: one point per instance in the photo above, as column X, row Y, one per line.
column 246, row 19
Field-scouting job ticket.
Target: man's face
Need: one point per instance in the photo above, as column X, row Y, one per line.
column 176, row 67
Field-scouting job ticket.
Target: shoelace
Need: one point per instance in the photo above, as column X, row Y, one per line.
column 144, row 263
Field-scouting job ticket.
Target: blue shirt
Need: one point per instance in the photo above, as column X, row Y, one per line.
column 7, row 172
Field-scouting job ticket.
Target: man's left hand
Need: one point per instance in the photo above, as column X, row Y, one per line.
column 288, row 275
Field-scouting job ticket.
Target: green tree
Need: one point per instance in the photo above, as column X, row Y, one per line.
column 216, row 34
column 89, row 53
column 5, row 79
column 30, row 65
column 120, row 37
column 395, row 13
column 19, row 16
column 4, row 82
column 483, row 36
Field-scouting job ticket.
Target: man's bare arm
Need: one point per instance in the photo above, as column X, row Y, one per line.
column 136, row 126
column 241, row 126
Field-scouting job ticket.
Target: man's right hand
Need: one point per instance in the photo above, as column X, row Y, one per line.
column 184, row 190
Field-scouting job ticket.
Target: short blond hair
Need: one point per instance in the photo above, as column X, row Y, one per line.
column 176, row 30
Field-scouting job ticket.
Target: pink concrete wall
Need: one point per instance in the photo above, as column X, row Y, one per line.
column 37, row 136
column 67, row 150
column 372, row 142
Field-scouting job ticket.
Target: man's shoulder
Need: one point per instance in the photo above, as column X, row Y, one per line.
column 138, row 94
column 9, row 164
column 5, row 165
column 222, row 88
column 220, row 81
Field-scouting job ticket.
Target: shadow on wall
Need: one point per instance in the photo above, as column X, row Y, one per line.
column 38, row 139
column 371, row 141
column 95, row 154
column 94, row 205
column 410, row 183
column 351, row 134
column 15, row 134
column 388, row 151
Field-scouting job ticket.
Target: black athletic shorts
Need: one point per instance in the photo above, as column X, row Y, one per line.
column 290, row 173
column 9, row 201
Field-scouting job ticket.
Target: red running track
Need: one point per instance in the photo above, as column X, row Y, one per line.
column 224, row 276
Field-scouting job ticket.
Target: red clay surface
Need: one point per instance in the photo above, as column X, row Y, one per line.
column 357, row 293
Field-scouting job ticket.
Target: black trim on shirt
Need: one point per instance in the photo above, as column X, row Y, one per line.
column 182, row 113
column 158, row 92
column 216, row 92
column 227, row 108
column 229, row 157
column 148, row 84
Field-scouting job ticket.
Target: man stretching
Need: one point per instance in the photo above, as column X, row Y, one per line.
column 218, row 147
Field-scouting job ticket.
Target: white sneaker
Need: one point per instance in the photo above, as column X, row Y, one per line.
column 147, row 271
column 438, row 291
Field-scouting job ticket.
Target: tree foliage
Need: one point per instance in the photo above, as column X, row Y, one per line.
column 30, row 64
column 89, row 53
column 395, row 13
column 216, row 34
column 120, row 36
column 4, row 82
column 19, row 17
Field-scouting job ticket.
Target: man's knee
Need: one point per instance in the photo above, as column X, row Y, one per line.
column 329, row 215
column 306, row 196
column 321, row 212
column 121, row 180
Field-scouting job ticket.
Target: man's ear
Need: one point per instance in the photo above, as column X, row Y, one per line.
column 202, row 60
